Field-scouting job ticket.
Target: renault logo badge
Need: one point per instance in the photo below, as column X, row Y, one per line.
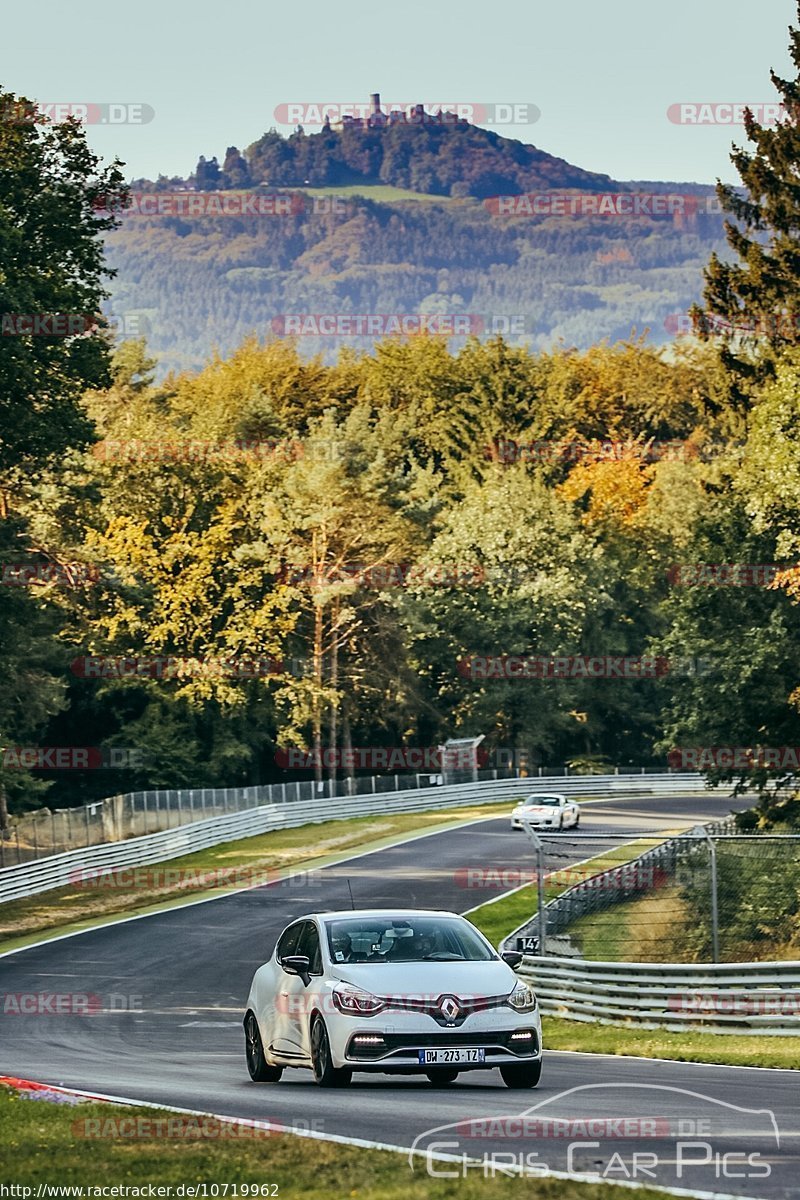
column 449, row 1008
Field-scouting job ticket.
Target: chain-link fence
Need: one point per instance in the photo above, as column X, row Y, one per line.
column 710, row 895
column 52, row 831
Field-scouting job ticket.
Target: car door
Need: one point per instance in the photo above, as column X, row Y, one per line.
column 306, row 997
column 276, row 1021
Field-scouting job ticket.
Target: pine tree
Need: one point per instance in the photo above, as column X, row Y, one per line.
column 755, row 304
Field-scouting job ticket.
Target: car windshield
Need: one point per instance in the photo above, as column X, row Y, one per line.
column 404, row 939
column 535, row 801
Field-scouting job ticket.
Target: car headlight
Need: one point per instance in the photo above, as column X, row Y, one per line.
column 522, row 999
column 354, row 1002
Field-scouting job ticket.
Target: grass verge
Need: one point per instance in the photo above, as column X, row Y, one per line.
column 604, row 940
column 731, row 1049
column 498, row 918
column 644, row 929
column 264, row 856
column 382, row 193
column 45, row 1144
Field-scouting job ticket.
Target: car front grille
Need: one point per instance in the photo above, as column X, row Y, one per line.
column 432, row 1006
column 401, row 1045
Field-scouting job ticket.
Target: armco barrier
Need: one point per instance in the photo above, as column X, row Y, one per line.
column 31, row 878
column 719, row 997
column 616, row 884
column 44, row 831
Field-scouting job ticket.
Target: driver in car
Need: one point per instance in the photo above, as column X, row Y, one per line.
column 413, row 948
column 342, row 947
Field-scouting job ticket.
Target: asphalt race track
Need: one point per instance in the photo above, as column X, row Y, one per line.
column 172, row 988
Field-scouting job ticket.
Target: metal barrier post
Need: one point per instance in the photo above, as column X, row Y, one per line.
column 541, row 914
column 712, row 854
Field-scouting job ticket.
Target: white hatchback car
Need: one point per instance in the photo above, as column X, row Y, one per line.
column 397, row 992
column 546, row 811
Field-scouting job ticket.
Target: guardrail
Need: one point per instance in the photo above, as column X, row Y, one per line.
column 45, row 831
column 59, row 870
column 615, row 884
column 718, row 998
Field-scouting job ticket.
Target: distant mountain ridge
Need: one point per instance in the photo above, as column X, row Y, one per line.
column 426, row 154
column 403, row 222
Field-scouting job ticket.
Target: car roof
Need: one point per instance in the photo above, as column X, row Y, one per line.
column 394, row 913
column 546, row 796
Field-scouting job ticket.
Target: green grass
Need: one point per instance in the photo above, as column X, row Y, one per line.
column 45, row 1143
column 733, row 1049
column 643, row 929
column 498, row 918
column 71, row 908
column 603, row 940
column 383, row 193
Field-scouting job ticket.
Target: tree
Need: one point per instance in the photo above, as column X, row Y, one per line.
column 235, row 171
column 55, row 205
column 207, row 174
column 755, row 303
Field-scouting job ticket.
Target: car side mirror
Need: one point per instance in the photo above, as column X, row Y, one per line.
column 297, row 964
column 512, row 957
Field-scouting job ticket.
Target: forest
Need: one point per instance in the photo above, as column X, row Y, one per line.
column 587, row 554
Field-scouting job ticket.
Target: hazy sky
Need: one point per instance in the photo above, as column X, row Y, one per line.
column 602, row 74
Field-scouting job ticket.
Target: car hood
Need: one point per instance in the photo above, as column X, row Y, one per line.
column 429, row 978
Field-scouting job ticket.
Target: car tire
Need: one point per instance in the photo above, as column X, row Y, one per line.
column 325, row 1073
column 259, row 1069
column 577, row 821
column 442, row 1078
column 561, row 825
column 522, row 1075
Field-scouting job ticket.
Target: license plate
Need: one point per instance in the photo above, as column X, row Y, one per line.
column 456, row 1056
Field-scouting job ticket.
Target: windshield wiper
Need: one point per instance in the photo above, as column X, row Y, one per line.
column 443, row 956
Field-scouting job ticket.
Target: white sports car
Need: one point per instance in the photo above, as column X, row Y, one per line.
column 546, row 811
column 398, row 992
